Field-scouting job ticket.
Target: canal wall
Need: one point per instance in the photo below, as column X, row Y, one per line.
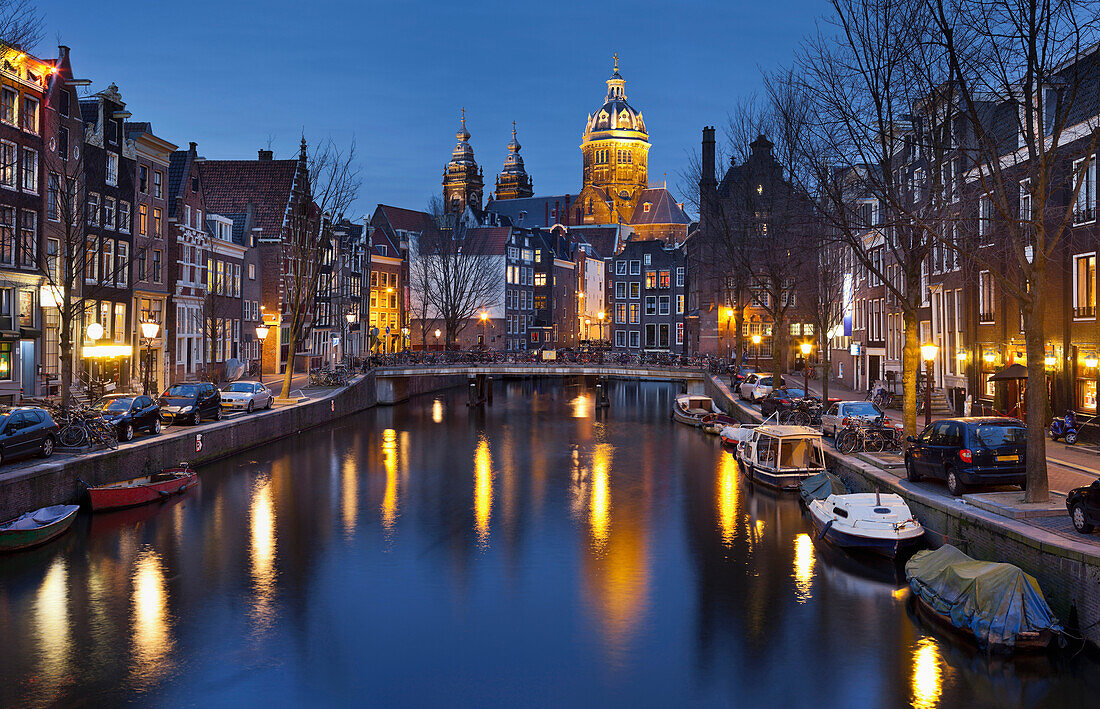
column 28, row 484
column 1068, row 570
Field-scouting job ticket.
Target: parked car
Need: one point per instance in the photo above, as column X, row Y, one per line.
column 1083, row 504
column 246, row 396
column 192, row 402
column 26, row 430
column 979, row 450
column 757, row 386
column 838, row 414
column 738, row 375
column 129, row 413
column 781, row 399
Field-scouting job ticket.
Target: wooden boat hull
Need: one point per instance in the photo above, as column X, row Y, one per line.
column 19, row 539
column 1025, row 642
column 132, row 493
column 889, row 548
column 690, row 420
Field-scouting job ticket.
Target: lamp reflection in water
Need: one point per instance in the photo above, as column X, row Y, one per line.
column 483, row 490
column 727, row 495
column 389, row 498
column 349, row 493
column 51, row 621
column 927, row 675
column 599, row 508
column 437, row 411
column 580, row 406
column 803, row 567
column 152, row 630
column 262, row 550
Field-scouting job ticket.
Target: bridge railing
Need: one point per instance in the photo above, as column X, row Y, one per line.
column 531, row 358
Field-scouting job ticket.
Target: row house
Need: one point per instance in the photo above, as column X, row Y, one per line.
column 223, row 302
column 391, row 232
column 110, row 162
column 648, row 281
column 190, row 309
column 348, row 289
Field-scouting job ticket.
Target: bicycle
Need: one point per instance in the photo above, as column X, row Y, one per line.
column 82, row 427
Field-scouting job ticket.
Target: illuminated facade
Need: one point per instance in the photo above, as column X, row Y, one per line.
column 513, row 182
column 615, row 148
column 462, row 179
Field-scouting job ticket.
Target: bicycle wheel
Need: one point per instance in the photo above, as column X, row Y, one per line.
column 873, row 442
column 799, row 418
column 73, row 436
column 846, row 442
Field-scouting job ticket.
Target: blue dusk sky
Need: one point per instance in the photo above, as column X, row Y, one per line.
column 234, row 75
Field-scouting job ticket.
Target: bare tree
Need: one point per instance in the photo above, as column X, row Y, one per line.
column 21, row 24
column 332, row 181
column 1024, row 83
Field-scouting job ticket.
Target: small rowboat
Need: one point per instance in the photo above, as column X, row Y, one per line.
column 38, row 527
column 143, row 490
column 714, row 423
column 691, row 409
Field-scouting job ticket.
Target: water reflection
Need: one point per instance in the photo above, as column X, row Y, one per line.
column 926, row 684
column 389, row 497
column 262, row 537
column 599, row 509
column 803, row 566
column 581, row 406
column 152, row 632
column 483, row 490
column 727, row 497
column 437, row 411
column 52, row 628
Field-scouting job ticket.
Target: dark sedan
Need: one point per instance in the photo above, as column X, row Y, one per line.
column 191, row 402
column 26, row 431
column 781, row 399
column 979, row 450
column 129, row 414
column 1083, row 504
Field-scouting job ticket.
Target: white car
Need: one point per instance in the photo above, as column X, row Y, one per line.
column 833, row 418
column 757, row 386
column 246, row 396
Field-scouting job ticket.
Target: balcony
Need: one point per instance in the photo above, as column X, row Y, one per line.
column 1084, row 311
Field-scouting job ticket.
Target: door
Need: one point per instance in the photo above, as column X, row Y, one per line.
column 873, row 374
column 939, row 449
column 830, row 419
column 15, row 434
column 141, row 412
column 920, row 453
column 27, row 368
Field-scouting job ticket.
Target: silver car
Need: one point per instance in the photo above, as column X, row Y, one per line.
column 757, row 386
column 834, row 417
column 246, row 396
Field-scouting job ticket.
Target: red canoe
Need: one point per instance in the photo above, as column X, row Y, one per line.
column 143, row 490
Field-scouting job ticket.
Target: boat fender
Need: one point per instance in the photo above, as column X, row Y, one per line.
column 821, row 534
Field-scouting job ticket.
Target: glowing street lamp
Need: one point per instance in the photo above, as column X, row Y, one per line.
column 484, row 329
column 149, row 331
column 756, row 350
column 807, row 348
column 261, row 335
column 928, row 351
column 437, row 333
column 600, row 316
column 729, row 345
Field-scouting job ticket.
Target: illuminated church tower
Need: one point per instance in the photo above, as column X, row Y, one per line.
column 462, row 180
column 513, row 182
column 615, row 146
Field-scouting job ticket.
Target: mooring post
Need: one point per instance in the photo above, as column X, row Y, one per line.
column 471, row 397
column 489, row 390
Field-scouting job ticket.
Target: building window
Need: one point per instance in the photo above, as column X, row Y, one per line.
column 30, row 170
column 143, row 179
column 1084, row 210
column 620, row 313
column 663, row 304
column 28, row 239
column 679, row 305
column 158, row 187
column 620, row 338
column 5, row 361
column 7, row 164
column 7, row 235
column 156, row 265
column 91, row 260
column 108, row 260
column 8, row 101
column 1025, row 201
column 620, row 268
column 108, row 212
column 157, row 222
column 30, row 114
column 53, row 197
column 635, row 290
column 620, row 290
column 122, row 265
column 252, row 272
column 93, row 208
column 650, row 280
column 1084, row 286
column 985, row 297
column 635, row 339
column 651, row 305
column 635, row 268
column 679, row 333
column 26, row 308
column 124, row 217
column 112, row 169
column 665, row 280
column 635, row 314
column 143, row 219
column 651, row 335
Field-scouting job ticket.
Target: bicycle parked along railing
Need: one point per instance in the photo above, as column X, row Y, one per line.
column 80, row 427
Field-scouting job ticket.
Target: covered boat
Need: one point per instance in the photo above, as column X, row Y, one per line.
column 781, row 456
column 37, row 527
column 143, row 490
column 866, row 521
column 693, row 408
column 821, row 486
column 997, row 605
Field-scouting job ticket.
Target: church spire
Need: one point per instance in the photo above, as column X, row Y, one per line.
column 462, row 181
column 513, row 181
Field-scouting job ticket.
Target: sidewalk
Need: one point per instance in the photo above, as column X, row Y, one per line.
column 1069, row 466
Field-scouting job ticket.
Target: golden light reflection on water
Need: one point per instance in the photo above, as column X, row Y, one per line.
column 349, row 493
column 389, row 497
column 151, row 628
column 262, row 555
column 803, row 567
column 437, row 411
column 927, row 682
column 727, row 498
column 599, row 508
column 483, row 490
column 51, row 625
column 580, row 406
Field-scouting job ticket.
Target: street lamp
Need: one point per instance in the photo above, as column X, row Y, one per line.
column 729, row 351
column 807, row 348
column 928, row 351
column 756, row 350
column 149, row 331
column 94, row 333
column 261, row 334
column 405, row 339
column 600, row 316
column 437, row 333
column 484, row 329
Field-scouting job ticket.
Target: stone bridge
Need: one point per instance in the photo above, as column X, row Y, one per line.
column 398, row 383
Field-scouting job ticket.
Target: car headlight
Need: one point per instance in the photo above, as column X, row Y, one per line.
column 185, row 409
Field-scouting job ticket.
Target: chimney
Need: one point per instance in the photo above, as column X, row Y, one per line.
column 707, row 182
column 62, row 53
column 193, row 146
column 265, row 155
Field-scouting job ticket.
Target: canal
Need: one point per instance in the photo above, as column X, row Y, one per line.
column 540, row 552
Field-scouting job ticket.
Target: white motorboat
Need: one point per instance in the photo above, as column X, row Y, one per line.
column 880, row 523
column 778, row 456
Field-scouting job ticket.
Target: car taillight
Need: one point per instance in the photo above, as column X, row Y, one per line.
column 845, row 421
column 785, row 402
column 966, row 456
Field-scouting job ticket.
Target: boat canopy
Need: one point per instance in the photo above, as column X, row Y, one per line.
column 994, row 601
column 820, row 486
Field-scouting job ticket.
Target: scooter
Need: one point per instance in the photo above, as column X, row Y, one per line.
column 1064, row 427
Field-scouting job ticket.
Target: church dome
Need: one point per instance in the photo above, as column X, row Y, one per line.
column 616, row 114
column 514, row 162
column 463, row 154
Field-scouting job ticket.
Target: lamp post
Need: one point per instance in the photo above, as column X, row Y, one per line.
column 588, row 328
column 600, row 316
column 928, row 351
column 756, row 350
column 149, row 331
column 807, row 348
column 350, row 317
column 405, row 339
column 437, row 333
column 94, row 333
column 261, row 334
column 729, row 344
column 484, row 329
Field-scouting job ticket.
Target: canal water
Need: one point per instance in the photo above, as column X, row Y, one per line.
column 541, row 552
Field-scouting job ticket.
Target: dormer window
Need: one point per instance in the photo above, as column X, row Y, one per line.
column 646, row 206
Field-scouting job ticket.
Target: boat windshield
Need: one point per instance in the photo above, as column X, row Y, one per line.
column 800, row 453
column 113, row 404
column 187, row 390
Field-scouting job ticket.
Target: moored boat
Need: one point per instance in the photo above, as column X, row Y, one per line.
column 37, row 527
column 714, row 423
column 142, row 490
column 866, row 521
column 779, row 456
column 820, row 486
column 996, row 605
column 693, row 408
